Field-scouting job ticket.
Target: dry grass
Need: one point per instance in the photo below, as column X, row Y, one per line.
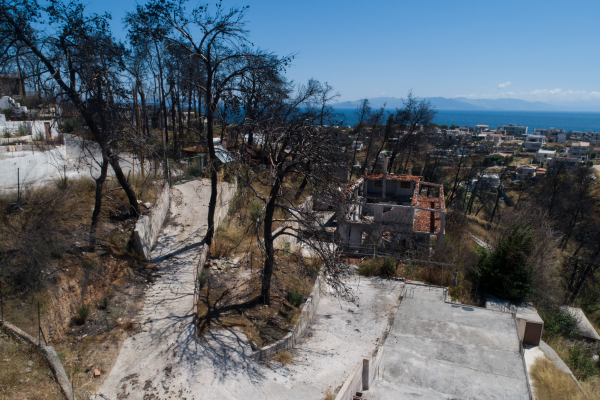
column 592, row 387
column 329, row 394
column 24, row 373
column 283, row 357
column 550, row 383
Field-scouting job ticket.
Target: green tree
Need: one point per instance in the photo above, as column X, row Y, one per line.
column 505, row 271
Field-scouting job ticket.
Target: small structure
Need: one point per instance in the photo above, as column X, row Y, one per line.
column 529, row 323
column 525, row 172
column 544, row 155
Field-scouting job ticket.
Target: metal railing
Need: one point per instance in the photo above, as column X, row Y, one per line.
column 186, row 169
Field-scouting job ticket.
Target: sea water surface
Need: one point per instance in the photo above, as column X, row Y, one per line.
column 569, row 121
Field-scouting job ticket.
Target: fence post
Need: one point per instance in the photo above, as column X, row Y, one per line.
column 18, row 185
column 39, row 327
column 442, row 283
column 1, row 299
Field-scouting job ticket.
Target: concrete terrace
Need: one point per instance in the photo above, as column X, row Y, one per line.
column 437, row 350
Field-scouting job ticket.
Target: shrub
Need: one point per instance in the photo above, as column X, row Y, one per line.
column 202, row 280
column 505, row 271
column 22, row 130
column 256, row 213
column 559, row 323
column 295, row 298
column 580, row 362
column 387, row 267
column 381, row 267
column 70, row 125
column 83, row 313
column 6, row 134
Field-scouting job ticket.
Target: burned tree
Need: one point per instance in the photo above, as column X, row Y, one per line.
column 298, row 148
column 80, row 59
column 221, row 47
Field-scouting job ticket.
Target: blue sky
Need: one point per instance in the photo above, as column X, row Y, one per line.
column 532, row 50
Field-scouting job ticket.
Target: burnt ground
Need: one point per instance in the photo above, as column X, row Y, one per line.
column 230, row 298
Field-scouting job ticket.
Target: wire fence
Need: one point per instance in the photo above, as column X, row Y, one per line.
column 186, row 169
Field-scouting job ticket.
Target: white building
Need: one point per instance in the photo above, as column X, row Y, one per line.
column 545, row 155
column 513, row 130
column 579, row 150
column 534, row 142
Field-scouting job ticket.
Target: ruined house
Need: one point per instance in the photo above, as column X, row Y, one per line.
column 394, row 212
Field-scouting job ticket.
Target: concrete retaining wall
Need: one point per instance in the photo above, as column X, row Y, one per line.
column 148, row 227
column 50, row 355
column 224, row 198
column 305, row 318
column 32, row 167
column 280, row 241
column 226, row 192
column 361, row 377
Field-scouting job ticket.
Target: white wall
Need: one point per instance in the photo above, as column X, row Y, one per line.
column 40, row 166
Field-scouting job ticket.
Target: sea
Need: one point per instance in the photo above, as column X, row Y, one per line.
column 569, row 121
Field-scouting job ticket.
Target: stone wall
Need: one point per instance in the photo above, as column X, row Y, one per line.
column 224, row 199
column 280, row 241
column 309, row 308
column 148, row 227
column 32, row 168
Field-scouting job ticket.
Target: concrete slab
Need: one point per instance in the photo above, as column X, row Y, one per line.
column 437, row 350
column 585, row 327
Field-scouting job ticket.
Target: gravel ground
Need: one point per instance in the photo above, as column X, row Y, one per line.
column 166, row 361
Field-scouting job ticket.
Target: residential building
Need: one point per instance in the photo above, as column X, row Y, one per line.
column 544, row 155
column 534, row 142
column 567, row 162
column 481, row 128
column 579, row 150
column 561, row 138
column 592, row 137
column 22, row 124
column 551, row 133
column 525, row 172
column 513, row 129
column 356, row 145
column 455, row 134
column 495, row 137
column 395, row 211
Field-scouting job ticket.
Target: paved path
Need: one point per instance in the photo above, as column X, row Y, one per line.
column 166, row 319
column 165, row 361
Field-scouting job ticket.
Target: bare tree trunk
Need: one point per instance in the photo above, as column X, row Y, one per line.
column 210, row 117
column 98, row 201
column 265, row 292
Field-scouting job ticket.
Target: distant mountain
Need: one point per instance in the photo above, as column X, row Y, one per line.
column 458, row 103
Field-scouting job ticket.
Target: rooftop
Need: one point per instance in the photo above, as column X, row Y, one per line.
column 439, row 350
column 580, row 144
